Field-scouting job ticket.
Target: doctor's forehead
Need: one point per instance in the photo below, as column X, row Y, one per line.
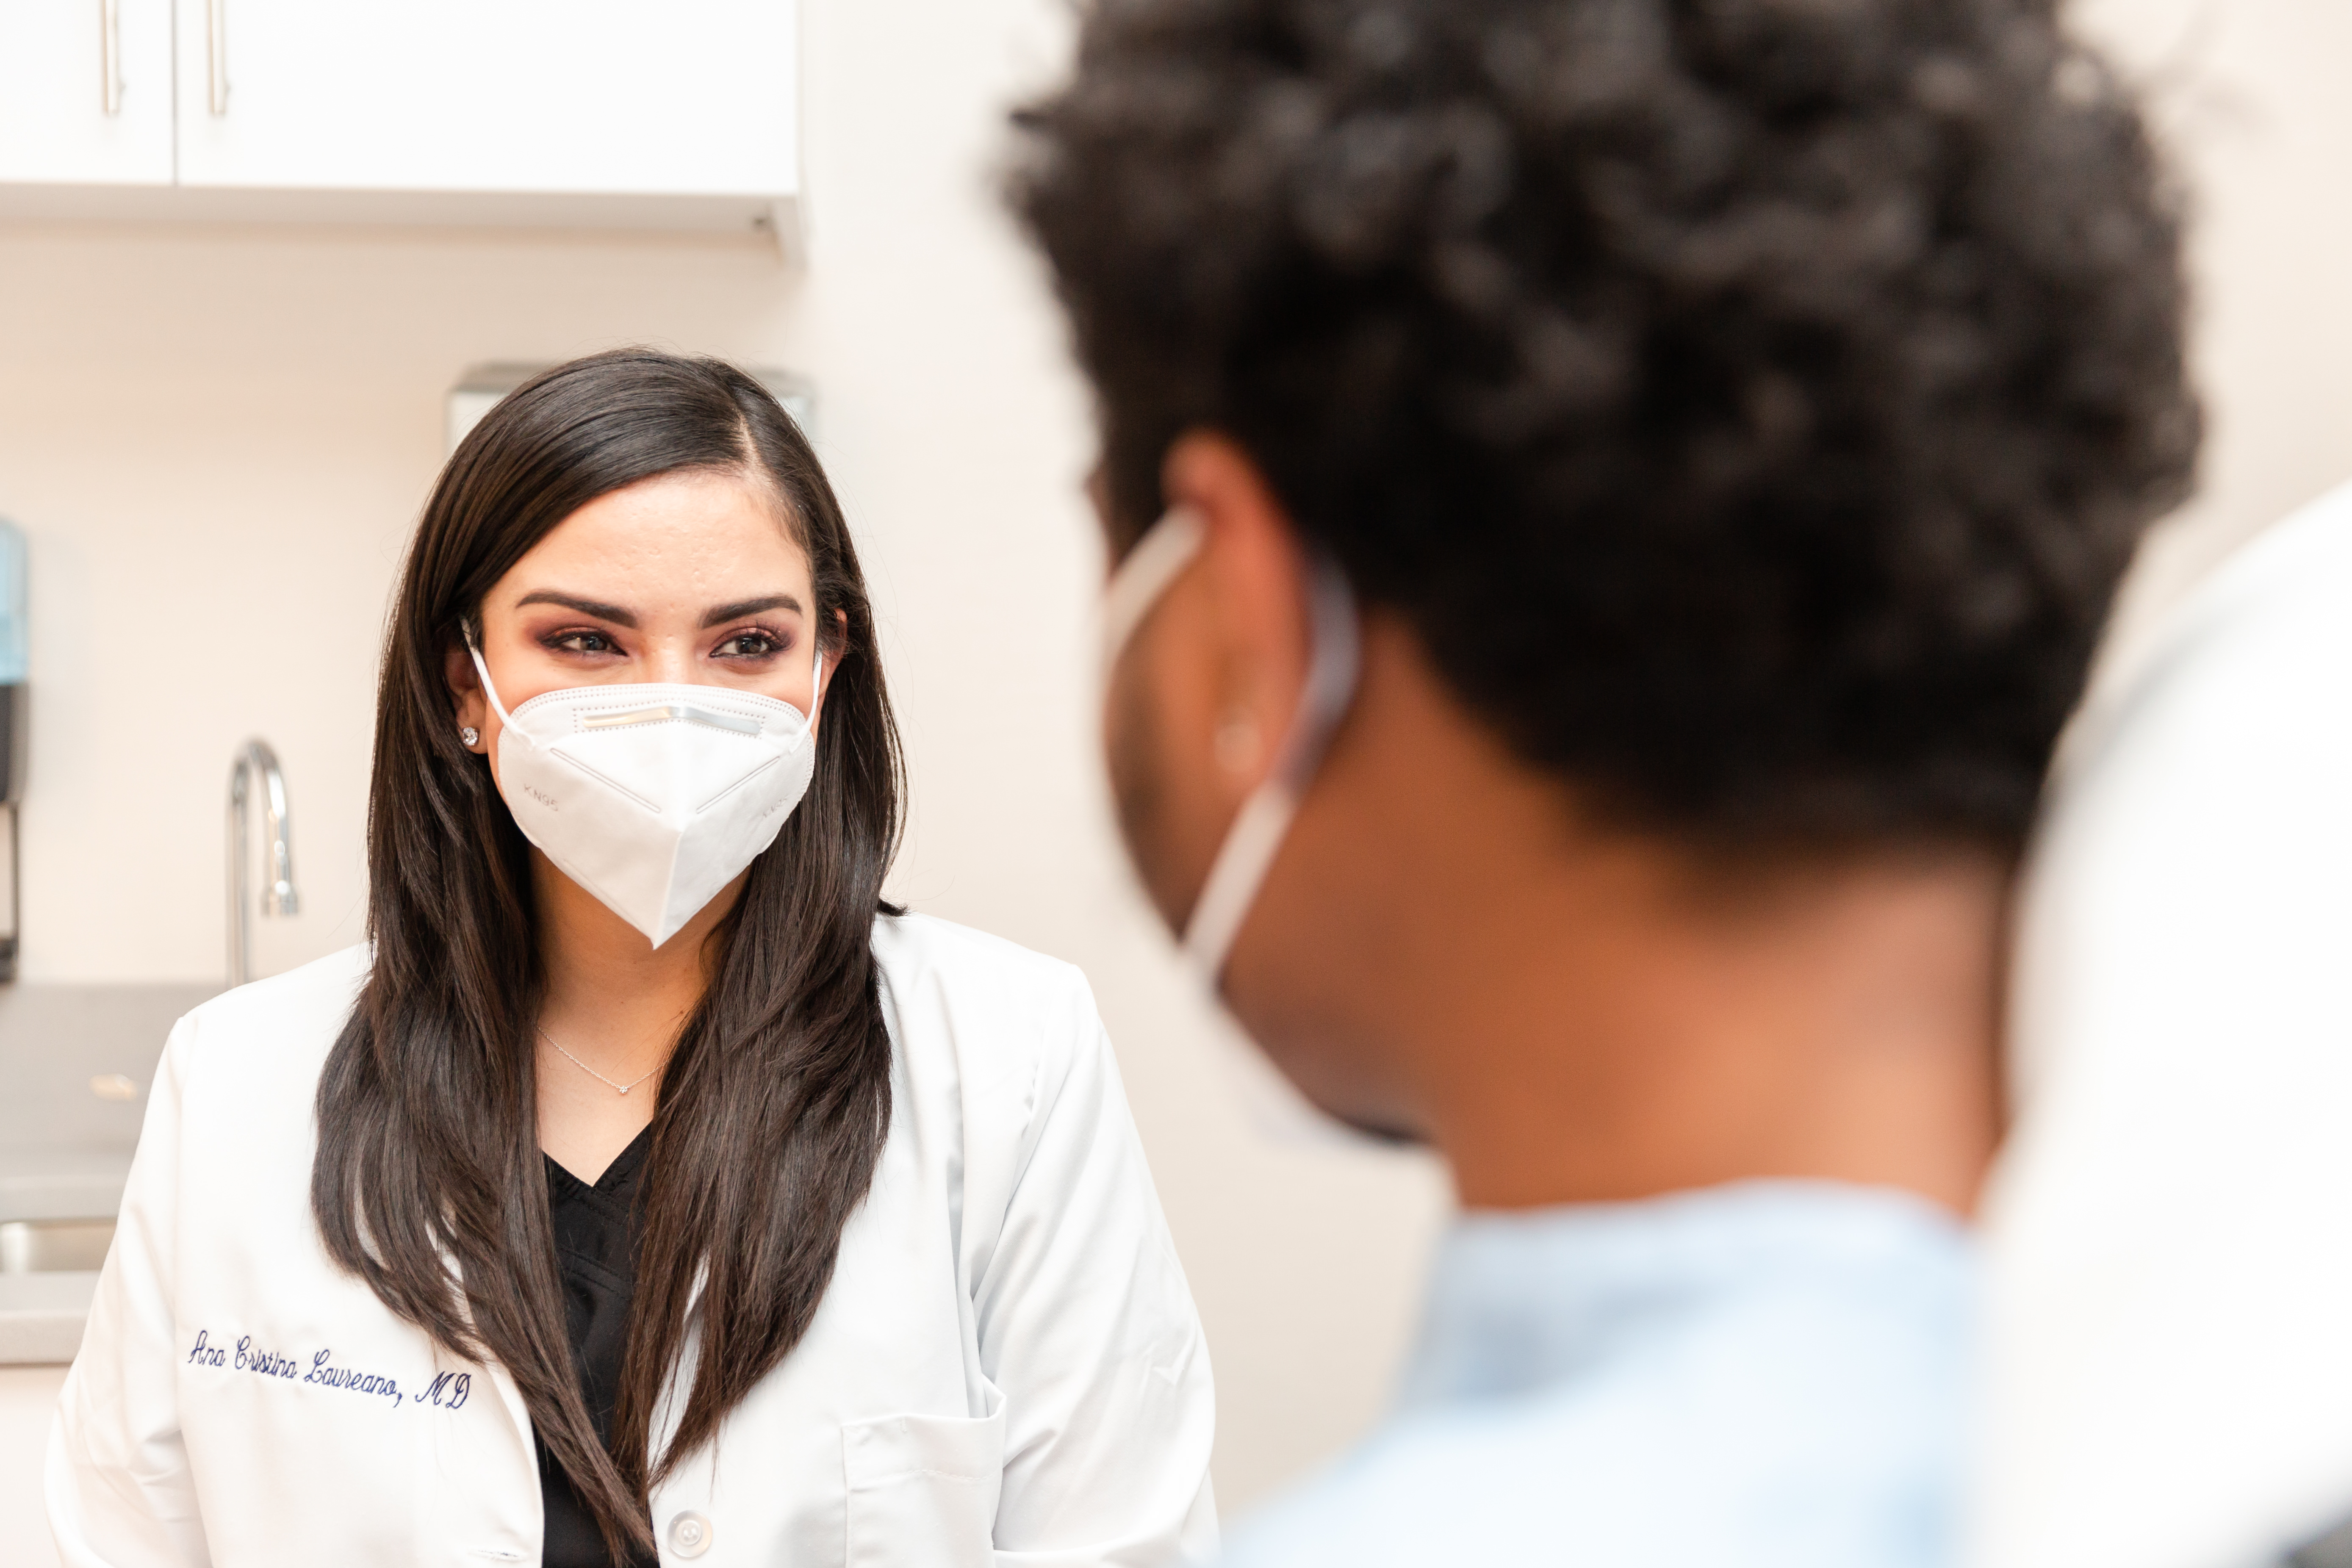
column 697, row 538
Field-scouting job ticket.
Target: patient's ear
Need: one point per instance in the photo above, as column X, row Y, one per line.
column 1259, row 635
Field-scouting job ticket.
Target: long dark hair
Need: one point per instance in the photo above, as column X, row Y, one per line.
column 777, row 1099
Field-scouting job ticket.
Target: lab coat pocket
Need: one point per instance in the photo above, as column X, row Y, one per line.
column 923, row 1489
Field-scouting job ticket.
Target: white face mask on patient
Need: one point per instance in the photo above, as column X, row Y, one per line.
column 653, row 796
column 1239, row 869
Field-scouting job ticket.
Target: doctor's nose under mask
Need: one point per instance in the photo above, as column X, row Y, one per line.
column 654, row 796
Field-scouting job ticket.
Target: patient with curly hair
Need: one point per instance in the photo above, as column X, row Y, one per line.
column 1613, row 501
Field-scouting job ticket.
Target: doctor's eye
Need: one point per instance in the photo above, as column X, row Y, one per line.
column 586, row 641
column 751, row 644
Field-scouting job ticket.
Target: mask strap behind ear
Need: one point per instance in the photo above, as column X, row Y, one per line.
column 1248, row 851
column 1164, row 551
column 484, row 671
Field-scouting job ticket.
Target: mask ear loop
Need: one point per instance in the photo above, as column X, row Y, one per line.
column 1164, row 553
column 484, row 671
column 1250, row 845
column 1167, row 547
column 1248, row 851
column 817, row 693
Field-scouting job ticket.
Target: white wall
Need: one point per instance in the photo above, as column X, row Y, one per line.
column 218, row 440
column 2248, row 95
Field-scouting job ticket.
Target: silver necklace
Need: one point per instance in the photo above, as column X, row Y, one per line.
column 591, row 1072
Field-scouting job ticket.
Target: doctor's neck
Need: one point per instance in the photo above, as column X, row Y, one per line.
column 1568, row 1010
column 614, row 999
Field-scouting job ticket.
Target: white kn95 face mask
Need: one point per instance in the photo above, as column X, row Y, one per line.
column 653, row 796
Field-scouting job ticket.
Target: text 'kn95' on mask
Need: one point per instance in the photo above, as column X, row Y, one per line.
column 653, row 796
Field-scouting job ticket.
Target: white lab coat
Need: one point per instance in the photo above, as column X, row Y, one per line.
column 1007, row 1368
column 2169, row 1232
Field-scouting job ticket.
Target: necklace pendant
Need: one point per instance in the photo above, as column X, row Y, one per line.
column 591, row 1072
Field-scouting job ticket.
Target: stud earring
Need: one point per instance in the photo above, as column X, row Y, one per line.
column 471, row 736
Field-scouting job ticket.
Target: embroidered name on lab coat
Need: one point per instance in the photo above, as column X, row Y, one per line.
column 447, row 1391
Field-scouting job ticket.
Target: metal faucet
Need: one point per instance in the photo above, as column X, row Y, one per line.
column 255, row 758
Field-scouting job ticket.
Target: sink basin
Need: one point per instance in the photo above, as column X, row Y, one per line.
column 54, row 1246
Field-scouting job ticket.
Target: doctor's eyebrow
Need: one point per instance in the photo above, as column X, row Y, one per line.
column 749, row 607
column 603, row 612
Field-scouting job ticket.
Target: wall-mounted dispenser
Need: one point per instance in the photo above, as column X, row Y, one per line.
column 15, row 659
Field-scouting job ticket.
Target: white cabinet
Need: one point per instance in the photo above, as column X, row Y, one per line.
column 684, row 97
column 677, row 114
column 85, row 91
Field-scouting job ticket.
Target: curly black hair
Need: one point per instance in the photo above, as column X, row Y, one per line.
column 1752, row 404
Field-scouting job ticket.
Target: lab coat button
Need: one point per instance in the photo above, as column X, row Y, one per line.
column 689, row 1536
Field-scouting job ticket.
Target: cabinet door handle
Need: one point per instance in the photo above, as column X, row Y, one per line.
column 110, row 55
column 216, row 55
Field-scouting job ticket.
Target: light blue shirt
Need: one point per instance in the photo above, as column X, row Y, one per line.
column 1767, row 1376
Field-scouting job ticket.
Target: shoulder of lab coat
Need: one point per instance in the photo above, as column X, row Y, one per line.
column 1085, row 1321
column 2169, row 1270
column 119, row 1488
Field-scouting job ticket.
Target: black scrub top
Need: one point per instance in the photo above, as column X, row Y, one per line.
column 596, row 1249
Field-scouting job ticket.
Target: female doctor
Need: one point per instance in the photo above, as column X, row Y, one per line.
column 646, row 1189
